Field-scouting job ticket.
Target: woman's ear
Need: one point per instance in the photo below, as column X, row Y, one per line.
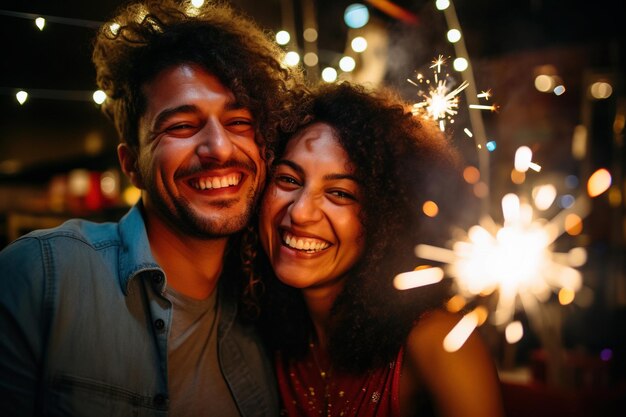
column 128, row 162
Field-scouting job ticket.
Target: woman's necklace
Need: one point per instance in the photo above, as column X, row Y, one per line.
column 325, row 375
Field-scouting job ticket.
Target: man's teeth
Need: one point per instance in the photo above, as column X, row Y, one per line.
column 306, row 244
column 212, row 183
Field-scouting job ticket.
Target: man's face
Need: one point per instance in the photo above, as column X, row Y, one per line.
column 198, row 161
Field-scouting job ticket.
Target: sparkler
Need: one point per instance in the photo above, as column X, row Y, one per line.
column 513, row 262
column 440, row 99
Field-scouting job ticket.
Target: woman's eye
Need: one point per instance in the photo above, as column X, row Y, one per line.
column 343, row 195
column 286, row 180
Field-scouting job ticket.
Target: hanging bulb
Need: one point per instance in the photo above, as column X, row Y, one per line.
column 40, row 22
column 21, row 96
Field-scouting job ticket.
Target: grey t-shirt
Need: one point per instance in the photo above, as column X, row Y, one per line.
column 196, row 384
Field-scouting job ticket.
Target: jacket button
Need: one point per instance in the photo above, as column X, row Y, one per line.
column 159, row 324
column 157, row 277
column 159, row 400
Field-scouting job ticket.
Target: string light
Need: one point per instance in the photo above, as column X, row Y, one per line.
column 329, row 74
column 283, row 37
column 347, row 64
column 40, row 22
column 99, row 96
column 292, row 58
column 21, row 96
column 359, row 44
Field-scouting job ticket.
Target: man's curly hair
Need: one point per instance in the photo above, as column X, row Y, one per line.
column 401, row 161
column 150, row 36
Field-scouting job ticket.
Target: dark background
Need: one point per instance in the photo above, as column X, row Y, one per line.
column 507, row 41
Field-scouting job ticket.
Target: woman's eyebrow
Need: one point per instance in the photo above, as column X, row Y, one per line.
column 327, row 177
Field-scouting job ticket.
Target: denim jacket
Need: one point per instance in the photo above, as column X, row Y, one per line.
column 84, row 326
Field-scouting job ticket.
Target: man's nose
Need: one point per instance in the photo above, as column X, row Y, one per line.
column 214, row 142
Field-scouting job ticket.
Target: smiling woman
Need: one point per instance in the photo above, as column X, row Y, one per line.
column 338, row 221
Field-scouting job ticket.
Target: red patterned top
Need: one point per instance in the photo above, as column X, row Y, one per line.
column 309, row 390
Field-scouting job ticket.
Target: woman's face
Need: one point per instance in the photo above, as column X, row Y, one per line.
column 309, row 224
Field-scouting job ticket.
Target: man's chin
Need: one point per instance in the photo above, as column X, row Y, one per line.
column 214, row 227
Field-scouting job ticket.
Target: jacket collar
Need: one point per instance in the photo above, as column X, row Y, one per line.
column 135, row 256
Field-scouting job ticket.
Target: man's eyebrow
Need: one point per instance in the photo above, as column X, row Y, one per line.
column 327, row 177
column 190, row 108
column 167, row 113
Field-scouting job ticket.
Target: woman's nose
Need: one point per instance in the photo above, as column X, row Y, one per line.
column 306, row 208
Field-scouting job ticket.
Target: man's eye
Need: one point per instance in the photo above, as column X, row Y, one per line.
column 179, row 127
column 240, row 127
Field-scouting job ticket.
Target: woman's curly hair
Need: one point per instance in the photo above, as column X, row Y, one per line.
column 148, row 37
column 401, row 161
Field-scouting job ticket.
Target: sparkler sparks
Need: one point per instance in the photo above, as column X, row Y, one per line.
column 440, row 98
column 441, row 101
column 513, row 262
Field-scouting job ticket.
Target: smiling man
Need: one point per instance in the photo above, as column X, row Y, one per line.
column 141, row 317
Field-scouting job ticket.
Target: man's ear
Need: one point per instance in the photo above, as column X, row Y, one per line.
column 128, row 162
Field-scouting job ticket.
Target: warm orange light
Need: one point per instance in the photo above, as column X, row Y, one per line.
column 455, row 304
column 566, row 296
column 518, row 177
column 430, row 208
column 599, row 182
column 481, row 190
column 573, row 224
column 471, row 174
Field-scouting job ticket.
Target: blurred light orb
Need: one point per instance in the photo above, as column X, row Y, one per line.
column 99, row 96
column 615, row 196
column 40, row 22
column 606, row 355
column 544, row 83
column 356, row 15
column 310, row 59
column 283, row 37
column 347, row 64
column 573, row 224
column 197, row 3
column 21, row 96
column 491, row 145
column 517, row 177
column 460, row 64
column 559, row 90
column 309, row 35
column 329, row 74
column 454, row 35
column 292, row 58
column 514, row 332
column 131, row 195
column 523, row 158
column 571, row 181
column 544, row 196
column 430, row 208
column 566, row 201
column 78, row 182
column 471, row 174
column 566, row 296
column 601, row 90
column 359, row 44
column 481, row 189
column 442, row 4
column 599, row 182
